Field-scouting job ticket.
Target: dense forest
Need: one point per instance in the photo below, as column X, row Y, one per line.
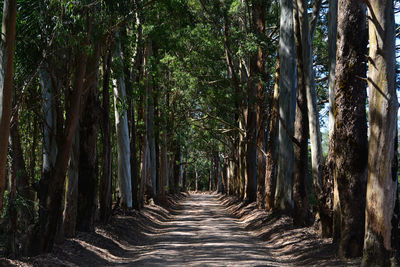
column 115, row 104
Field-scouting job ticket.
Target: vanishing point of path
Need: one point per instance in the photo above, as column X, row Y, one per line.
column 204, row 234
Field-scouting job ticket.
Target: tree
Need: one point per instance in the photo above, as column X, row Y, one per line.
column 6, row 85
column 287, row 96
column 105, row 194
column 88, row 160
column 121, row 122
column 380, row 221
column 350, row 133
column 301, row 133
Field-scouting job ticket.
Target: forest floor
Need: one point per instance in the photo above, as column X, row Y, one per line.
column 196, row 230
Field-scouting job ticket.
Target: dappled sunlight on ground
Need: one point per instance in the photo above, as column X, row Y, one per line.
column 199, row 230
column 293, row 246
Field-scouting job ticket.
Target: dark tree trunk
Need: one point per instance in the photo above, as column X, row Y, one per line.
column 105, row 194
column 88, row 161
column 52, row 190
column 258, row 68
column 350, row 134
column 6, row 86
column 177, row 165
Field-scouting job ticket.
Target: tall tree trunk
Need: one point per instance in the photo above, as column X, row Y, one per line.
column 313, row 116
column 134, row 161
column 19, row 184
column 287, row 102
column 331, row 207
column 301, row 213
column 105, row 194
column 123, row 143
column 350, row 135
column 71, row 200
column 51, row 195
column 88, row 160
column 6, row 85
column 382, row 178
column 271, row 158
column 259, row 24
column 196, row 179
column 23, row 186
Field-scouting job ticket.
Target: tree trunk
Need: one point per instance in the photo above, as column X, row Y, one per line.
column 18, row 184
column 123, row 143
column 88, row 160
column 6, row 85
column 382, row 178
column 287, row 102
column 258, row 67
column 196, row 185
column 313, row 115
column 51, row 195
column 71, row 200
column 271, row 158
column 350, row 134
column 105, row 194
column 23, row 186
column 331, row 206
column 301, row 213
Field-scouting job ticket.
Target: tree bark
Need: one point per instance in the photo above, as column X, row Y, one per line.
column 71, row 200
column 331, row 207
column 271, row 158
column 382, row 177
column 105, row 194
column 287, row 102
column 52, row 192
column 123, row 143
column 301, row 213
column 6, row 85
column 350, row 134
column 259, row 25
column 88, row 160
column 313, row 115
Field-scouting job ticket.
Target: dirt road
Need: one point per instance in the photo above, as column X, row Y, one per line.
column 203, row 234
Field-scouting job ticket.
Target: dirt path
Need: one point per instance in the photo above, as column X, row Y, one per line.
column 203, row 234
column 198, row 230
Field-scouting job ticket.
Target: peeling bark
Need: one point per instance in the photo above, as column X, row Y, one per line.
column 383, row 106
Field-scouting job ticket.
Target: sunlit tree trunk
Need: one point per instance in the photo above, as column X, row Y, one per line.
column 301, row 214
column 350, row 134
column 121, row 122
column 382, row 178
column 6, row 85
column 313, row 115
column 287, row 98
column 329, row 163
column 272, row 144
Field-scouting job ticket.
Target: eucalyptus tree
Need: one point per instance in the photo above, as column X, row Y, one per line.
column 381, row 222
column 287, row 96
column 350, row 133
column 301, row 132
column 121, row 124
column 6, row 85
